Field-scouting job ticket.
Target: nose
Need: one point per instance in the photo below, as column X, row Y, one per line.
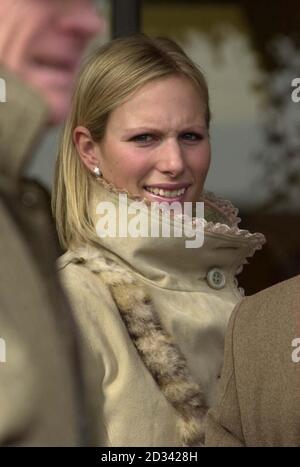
column 171, row 159
column 83, row 20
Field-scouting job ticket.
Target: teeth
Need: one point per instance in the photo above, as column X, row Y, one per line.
column 166, row 193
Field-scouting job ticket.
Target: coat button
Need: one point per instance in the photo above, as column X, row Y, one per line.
column 29, row 199
column 216, row 279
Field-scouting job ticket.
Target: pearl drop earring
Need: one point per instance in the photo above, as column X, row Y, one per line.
column 97, row 172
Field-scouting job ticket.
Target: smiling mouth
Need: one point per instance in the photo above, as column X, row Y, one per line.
column 166, row 193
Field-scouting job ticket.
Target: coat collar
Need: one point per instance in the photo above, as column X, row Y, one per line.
column 167, row 262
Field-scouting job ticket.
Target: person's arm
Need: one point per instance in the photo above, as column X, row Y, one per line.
column 224, row 426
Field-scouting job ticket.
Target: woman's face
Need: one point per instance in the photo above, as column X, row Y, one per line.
column 156, row 144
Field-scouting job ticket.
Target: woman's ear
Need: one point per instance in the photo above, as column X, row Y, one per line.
column 87, row 149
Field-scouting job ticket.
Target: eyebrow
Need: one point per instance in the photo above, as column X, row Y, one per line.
column 152, row 129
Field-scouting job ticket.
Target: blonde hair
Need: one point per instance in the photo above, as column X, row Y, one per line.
column 108, row 77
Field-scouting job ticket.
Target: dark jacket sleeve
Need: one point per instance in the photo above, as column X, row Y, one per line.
column 224, row 421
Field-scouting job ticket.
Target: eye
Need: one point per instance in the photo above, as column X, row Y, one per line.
column 192, row 137
column 144, row 138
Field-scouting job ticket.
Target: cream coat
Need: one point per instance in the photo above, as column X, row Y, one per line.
column 156, row 324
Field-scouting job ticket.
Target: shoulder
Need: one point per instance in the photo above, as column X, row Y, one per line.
column 268, row 319
column 91, row 299
column 88, row 276
column 286, row 290
column 88, row 261
column 80, row 275
column 279, row 300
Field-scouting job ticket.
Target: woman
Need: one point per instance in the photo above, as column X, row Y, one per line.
column 153, row 310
